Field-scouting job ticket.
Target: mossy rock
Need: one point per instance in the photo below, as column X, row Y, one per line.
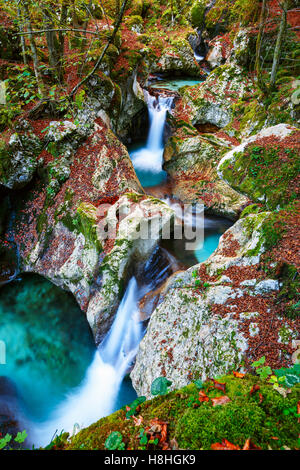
column 197, row 425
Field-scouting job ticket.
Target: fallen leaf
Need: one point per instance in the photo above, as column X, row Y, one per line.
column 219, row 385
column 224, row 445
column 138, row 420
column 220, row 400
column 203, row 396
column 250, row 446
column 254, row 389
column 238, row 374
column 298, row 410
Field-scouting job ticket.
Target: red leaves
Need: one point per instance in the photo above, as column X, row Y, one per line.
column 203, row 396
column 219, row 385
column 250, row 446
column 255, row 389
column 220, row 400
column 158, row 430
column 238, row 374
column 226, row 445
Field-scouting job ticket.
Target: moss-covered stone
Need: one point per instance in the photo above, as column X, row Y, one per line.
column 197, row 425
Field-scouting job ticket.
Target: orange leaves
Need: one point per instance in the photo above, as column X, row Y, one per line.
column 158, row 430
column 137, row 420
column 219, row 385
column 226, row 445
column 255, row 389
column 203, row 396
column 250, row 446
column 220, row 400
column 238, row 375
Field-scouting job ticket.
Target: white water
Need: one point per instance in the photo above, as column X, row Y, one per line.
column 150, row 157
column 97, row 394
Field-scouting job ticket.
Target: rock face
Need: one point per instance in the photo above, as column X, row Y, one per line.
column 191, row 163
column 78, row 189
column 265, row 166
column 18, row 159
column 178, row 59
column 186, row 338
column 117, row 104
column 138, row 222
column 211, row 102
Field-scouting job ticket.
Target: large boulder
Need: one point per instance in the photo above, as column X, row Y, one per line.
column 211, row 101
column 265, row 166
column 178, row 59
column 191, row 163
column 212, row 314
column 18, row 157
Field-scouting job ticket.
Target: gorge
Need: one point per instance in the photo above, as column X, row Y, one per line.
column 149, row 226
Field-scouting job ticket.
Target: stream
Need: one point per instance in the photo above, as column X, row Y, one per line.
column 60, row 381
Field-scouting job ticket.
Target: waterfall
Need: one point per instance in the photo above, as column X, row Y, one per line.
column 96, row 395
column 150, row 157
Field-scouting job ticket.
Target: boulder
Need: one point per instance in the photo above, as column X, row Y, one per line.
column 178, row 59
column 18, row 158
column 265, row 166
column 212, row 101
column 201, row 333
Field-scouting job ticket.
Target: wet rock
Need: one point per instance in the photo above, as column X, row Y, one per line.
column 18, row 158
column 179, row 59
column 234, row 167
column 211, row 101
column 184, row 337
column 191, row 163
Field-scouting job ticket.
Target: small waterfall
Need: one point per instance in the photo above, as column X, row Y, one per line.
column 150, row 157
column 97, row 394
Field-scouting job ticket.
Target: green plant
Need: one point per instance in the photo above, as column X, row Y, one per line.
column 115, row 441
column 20, row 438
column 160, row 386
column 134, row 405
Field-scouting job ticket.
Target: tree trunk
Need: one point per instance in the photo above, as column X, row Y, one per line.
column 33, row 49
column 21, row 29
column 279, row 41
column 258, row 45
column 110, row 41
column 52, row 42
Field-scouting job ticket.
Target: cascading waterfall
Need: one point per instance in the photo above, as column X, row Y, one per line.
column 97, row 394
column 150, row 157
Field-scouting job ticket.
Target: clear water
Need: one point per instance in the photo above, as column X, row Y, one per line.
column 175, row 85
column 101, row 392
column 48, row 342
column 147, row 178
column 206, row 248
column 60, row 378
column 147, row 158
column 214, row 227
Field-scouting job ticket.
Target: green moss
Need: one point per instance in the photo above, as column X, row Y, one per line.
column 262, row 175
column 87, row 224
column 197, row 13
column 251, row 209
column 198, row 425
column 290, row 290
